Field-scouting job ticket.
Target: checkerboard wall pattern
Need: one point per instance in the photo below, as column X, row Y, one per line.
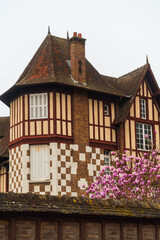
column 69, row 169
column 15, row 170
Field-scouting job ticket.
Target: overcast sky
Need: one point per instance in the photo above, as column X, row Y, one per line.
column 119, row 34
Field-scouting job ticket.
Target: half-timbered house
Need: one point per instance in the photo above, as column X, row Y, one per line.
column 66, row 118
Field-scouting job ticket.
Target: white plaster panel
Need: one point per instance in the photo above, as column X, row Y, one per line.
column 47, row 188
column 98, row 150
column 68, row 188
column 74, row 147
column 63, row 170
column 68, row 177
column 101, row 156
column 81, row 182
column 91, row 168
column 97, row 162
column 53, row 145
column 93, row 155
column 42, row 193
column 88, row 149
column 24, row 147
column 74, row 168
column 82, row 157
column 74, row 194
column 63, row 182
column 36, row 188
column 63, row 158
column 68, row 153
column 63, row 146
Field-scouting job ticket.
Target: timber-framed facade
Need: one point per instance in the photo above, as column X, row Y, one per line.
column 66, row 118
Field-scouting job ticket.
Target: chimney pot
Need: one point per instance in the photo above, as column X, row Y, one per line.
column 80, row 35
column 75, row 34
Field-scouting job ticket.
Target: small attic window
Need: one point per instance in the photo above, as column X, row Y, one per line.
column 143, row 108
column 80, row 66
column 106, row 110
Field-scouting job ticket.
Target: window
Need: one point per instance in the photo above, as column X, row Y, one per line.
column 38, row 106
column 4, row 178
column 39, row 160
column 144, row 136
column 107, row 160
column 106, row 109
column 143, row 108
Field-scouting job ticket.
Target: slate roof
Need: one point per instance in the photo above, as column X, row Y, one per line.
column 49, row 65
column 32, row 203
column 4, row 137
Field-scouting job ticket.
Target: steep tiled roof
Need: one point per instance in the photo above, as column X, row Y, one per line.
column 4, row 137
column 30, row 203
column 49, row 62
column 49, row 65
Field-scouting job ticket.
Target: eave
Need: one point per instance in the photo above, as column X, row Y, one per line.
column 10, row 94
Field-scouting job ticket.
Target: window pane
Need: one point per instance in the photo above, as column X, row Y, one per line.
column 107, row 160
column 39, row 103
column 144, row 136
column 40, row 111
column 143, row 108
column 106, row 109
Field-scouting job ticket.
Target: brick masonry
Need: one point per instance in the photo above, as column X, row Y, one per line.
column 67, row 174
column 71, row 165
column 73, row 230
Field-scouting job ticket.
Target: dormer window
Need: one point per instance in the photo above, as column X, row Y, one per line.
column 106, row 110
column 143, row 108
column 38, row 106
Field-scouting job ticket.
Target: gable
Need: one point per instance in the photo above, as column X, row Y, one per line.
column 152, row 107
column 139, row 83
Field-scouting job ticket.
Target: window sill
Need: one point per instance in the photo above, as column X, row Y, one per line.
column 143, row 150
column 40, row 181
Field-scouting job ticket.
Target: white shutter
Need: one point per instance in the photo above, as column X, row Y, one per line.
column 39, row 159
column 38, row 106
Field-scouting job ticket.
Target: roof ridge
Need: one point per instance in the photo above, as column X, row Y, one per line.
column 146, row 65
column 102, row 78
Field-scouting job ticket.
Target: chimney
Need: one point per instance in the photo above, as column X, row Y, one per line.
column 78, row 64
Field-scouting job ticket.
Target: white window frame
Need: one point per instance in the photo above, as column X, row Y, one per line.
column 142, row 130
column 107, row 160
column 143, row 108
column 38, row 106
column 106, row 109
column 39, row 162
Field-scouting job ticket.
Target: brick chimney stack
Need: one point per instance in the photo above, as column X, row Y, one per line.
column 78, row 64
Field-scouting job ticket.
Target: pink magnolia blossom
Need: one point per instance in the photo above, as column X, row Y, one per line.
column 130, row 177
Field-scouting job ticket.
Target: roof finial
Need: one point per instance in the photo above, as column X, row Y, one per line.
column 146, row 58
column 49, row 30
column 67, row 35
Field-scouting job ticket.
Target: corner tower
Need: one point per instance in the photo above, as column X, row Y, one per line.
column 61, row 120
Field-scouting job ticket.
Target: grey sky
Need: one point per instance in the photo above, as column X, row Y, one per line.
column 119, row 34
